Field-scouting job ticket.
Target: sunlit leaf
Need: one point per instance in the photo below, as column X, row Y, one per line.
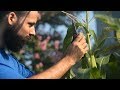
column 93, row 61
column 72, row 75
column 118, row 36
column 102, row 60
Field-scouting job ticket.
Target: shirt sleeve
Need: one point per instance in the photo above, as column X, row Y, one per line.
column 22, row 70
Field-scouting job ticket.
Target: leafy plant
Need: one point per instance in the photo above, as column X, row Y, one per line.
column 97, row 62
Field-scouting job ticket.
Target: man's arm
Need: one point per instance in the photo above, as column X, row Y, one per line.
column 56, row 71
column 73, row 53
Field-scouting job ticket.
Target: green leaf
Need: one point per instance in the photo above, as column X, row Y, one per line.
column 113, row 71
column 108, row 49
column 112, row 22
column 93, row 61
column 117, row 55
column 101, row 43
column 103, row 74
column 68, row 38
column 102, row 60
column 118, row 36
column 84, row 26
column 85, row 62
column 94, row 36
column 83, row 73
column 103, row 18
column 90, row 73
column 95, row 74
column 72, row 75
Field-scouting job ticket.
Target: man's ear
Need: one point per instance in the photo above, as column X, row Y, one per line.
column 12, row 18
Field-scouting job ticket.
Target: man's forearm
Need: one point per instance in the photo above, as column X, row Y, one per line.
column 56, row 71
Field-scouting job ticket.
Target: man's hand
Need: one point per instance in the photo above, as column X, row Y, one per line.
column 78, row 48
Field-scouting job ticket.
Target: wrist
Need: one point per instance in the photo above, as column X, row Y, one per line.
column 70, row 60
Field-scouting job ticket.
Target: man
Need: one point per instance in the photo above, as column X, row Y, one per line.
column 16, row 27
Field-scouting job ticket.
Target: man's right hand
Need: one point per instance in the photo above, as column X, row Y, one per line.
column 78, row 48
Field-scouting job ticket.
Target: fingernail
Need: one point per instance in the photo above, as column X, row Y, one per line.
column 81, row 34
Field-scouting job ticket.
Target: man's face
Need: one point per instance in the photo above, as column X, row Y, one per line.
column 15, row 38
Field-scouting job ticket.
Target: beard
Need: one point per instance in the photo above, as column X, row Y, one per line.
column 12, row 40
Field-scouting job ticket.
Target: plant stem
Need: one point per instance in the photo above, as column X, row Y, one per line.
column 88, row 34
column 91, row 61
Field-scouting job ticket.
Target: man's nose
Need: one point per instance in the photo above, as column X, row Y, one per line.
column 32, row 32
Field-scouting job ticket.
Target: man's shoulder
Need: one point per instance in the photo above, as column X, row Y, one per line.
column 5, row 60
column 2, row 55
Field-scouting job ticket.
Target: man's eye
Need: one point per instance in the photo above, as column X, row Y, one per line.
column 31, row 24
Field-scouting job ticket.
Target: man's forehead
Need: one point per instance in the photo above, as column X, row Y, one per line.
column 34, row 15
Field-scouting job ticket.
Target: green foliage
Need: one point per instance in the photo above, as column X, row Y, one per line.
column 92, row 33
column 95, row 73
column 83, row 73
column 113, row 23
column 101, row 61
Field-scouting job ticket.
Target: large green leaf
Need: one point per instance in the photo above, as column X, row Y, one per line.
column 109, row 21
column 108, row 50
column 102, row 60
column 101, row 43
column 113, row 23
column 83, row 73
column 68, row 38
column 103, row 37
column 90, row 73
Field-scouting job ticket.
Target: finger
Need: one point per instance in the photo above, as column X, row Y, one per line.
column 79, row 37
column 86, row 49
column 75, row 43
column 82, row 41
column 84, row 45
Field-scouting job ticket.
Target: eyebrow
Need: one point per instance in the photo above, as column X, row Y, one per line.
column 33, row 23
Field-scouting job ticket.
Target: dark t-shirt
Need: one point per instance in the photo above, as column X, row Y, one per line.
column 10, row 68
